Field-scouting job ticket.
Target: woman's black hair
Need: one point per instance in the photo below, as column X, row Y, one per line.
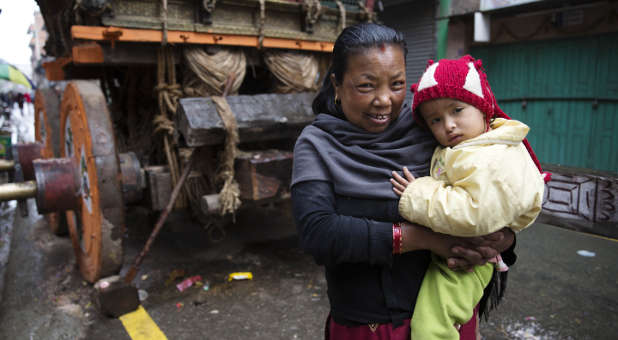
column 352, row 40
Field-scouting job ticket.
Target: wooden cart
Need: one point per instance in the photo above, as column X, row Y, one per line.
column 136, row 89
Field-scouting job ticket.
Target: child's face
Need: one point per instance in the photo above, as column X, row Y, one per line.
column 452, row 121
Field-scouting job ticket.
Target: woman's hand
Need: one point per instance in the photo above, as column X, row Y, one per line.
column 462, row 253
column 474, row 251
column 399, row 183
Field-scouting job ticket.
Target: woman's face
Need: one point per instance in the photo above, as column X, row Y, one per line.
column 373, row 87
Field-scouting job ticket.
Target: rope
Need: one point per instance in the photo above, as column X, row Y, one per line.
column 342, row 23
column 229, row 196
column 171, row 94
column 164, row 21
column 210, row 71
column 163, row 124
column 313, row 10
column 209, row 5
column 296, row 72
column 366, row 15
column 261, row 23
column 168, row 95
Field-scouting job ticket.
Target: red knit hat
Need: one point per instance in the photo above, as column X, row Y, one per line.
column 462, row 79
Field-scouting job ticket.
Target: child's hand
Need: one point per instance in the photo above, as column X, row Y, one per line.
column 400, row 183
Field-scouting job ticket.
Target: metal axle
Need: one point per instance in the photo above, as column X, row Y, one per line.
column 22, row 157
column 6, row 165
column 55, row 187
column 17, row 191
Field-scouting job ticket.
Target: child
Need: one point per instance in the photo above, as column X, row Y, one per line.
column 482, row 179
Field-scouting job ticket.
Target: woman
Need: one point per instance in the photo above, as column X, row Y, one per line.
column 344, row 206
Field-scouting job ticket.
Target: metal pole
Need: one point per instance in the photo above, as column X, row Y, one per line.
column 14, row 191
column 6, row 165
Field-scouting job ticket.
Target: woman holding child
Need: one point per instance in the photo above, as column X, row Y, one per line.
column 345, row 207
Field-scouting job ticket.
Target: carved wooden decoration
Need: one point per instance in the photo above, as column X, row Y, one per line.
column 581, row 200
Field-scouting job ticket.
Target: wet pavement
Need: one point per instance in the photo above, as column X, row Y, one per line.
column 553, row 292
column 43, row 295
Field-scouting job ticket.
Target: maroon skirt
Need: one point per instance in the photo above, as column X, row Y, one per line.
column 335, row 331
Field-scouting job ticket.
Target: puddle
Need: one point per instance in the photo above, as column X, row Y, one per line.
column 529, row 330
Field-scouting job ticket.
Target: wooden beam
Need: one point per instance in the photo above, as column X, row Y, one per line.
column 53, row 69
column 88, row 53
column 113, row 34
column 263, row 174
column 159, row 186
column 259, row 117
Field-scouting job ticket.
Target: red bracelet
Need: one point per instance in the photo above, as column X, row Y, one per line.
column 396, row 238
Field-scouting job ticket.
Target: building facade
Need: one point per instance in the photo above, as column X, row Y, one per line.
column 553, row 65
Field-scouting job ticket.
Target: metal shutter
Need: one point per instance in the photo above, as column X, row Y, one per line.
column 415, row 19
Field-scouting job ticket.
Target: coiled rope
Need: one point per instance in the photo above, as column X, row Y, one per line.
column 209, row 71
column 296, row 71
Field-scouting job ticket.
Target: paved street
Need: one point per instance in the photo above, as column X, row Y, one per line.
column 553, row 293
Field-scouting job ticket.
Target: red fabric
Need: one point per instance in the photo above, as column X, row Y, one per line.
column 468, row 330
column 335, row 331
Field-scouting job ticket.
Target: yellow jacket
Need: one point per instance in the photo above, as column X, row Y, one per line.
column 479, row 186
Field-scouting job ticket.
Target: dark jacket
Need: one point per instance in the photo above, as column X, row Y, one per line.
column 352, row 238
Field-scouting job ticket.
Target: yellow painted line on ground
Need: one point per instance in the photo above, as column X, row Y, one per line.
column 604, row 237
column 140, row 326
column 607, row 238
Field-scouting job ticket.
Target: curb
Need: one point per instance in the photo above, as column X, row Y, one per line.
column 7, row 217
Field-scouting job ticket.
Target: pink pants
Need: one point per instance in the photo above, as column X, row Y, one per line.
column 336, row 331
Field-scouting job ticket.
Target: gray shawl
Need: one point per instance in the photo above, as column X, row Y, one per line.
column 359, row 163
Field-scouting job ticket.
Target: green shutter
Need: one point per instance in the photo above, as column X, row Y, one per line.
column 567, row 92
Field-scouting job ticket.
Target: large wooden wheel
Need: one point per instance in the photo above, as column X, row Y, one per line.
column 87, row 137
column 47, row 132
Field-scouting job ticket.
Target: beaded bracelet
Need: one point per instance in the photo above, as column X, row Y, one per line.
column 397, row 241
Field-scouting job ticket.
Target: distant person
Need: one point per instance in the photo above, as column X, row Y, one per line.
column 482, row 178
column 343, row 203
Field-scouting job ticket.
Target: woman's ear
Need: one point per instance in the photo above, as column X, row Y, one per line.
column 333, row 81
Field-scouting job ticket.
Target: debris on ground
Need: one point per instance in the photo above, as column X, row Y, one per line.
column 188, row 282
column 586, row 253
column 174, row 274
column 105, row 282
column 142, row 294
column 240, row 276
